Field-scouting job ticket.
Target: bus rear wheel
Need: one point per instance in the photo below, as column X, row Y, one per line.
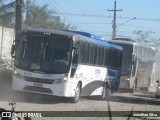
column 106, row 92
column 76, row 97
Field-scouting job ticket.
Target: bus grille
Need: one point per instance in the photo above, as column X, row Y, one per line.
column 38, row 80
column 38, row 89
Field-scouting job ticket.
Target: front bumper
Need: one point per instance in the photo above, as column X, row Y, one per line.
column 64, row 89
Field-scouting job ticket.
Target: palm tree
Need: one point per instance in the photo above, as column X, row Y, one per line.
column 41, row 16
column 7, row 13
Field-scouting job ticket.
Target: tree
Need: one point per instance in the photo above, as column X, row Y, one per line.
column 7, row 14
column 41, row 16
column 143, row 36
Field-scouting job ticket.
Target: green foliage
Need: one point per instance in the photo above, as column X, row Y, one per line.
column 130, row 115
column 109, row 111
column 5, row 63
column 42, row 17
column 36, row 16
column 144, row 37
column 7, row 14
column 13, row 105
column 5, row 73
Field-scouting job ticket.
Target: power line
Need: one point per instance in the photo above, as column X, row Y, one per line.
column 62, row 10
column 84, row 9
column 126, row 21
column 60, row 13
column 109, row 16
column 94, row 23
column 89, row 11
column 140, row 26
column 64, row 14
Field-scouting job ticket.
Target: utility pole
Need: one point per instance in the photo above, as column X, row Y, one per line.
column 18, row 24
column 27, row 12
column 114, row 20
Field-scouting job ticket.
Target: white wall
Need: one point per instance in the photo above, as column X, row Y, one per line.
column 7, row 35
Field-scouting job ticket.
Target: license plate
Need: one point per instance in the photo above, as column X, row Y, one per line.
column 38, row 85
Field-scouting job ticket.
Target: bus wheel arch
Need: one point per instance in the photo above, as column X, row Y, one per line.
column 77, row 95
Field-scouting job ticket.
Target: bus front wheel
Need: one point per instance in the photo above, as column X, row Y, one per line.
column 134, row 88
column 76, row 97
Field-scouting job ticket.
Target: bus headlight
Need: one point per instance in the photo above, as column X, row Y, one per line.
column 18, row 75
column 125, row 77
column 64, row 78
column 158, row 87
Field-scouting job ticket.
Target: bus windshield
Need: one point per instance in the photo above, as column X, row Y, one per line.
column 46, row 54
column 126, row 59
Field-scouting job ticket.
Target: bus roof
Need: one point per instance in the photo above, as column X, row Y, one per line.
column 86, row 34
column 128, row 42
column 122, row 42
column 125, row 39
column 74, row 34
column 98, row 39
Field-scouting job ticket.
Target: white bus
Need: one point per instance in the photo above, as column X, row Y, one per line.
column 65, row 64
column 138, row 65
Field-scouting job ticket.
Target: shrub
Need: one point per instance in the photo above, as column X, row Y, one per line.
column 5, row 63
column 5, row 72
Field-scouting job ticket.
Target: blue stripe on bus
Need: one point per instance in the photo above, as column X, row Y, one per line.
column 105, row 43
column 99, row 40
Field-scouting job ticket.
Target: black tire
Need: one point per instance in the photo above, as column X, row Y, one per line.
column 133, row 88
column 106, row 92
column 76, row 97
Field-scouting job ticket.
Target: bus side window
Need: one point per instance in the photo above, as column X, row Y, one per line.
column 107, row 57
column 95, row 55
column 100, row 55
column 112, row 60
column 85, row 52
column 76, row 54
column 92, row 54
column 118, row 59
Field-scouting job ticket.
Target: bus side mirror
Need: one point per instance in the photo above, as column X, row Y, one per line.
column 133, row 58
column 157, row 81
column 76, row 59
column 76, row 55
column 13, row 51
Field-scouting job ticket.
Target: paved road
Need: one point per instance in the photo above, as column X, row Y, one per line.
column 139, row 101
